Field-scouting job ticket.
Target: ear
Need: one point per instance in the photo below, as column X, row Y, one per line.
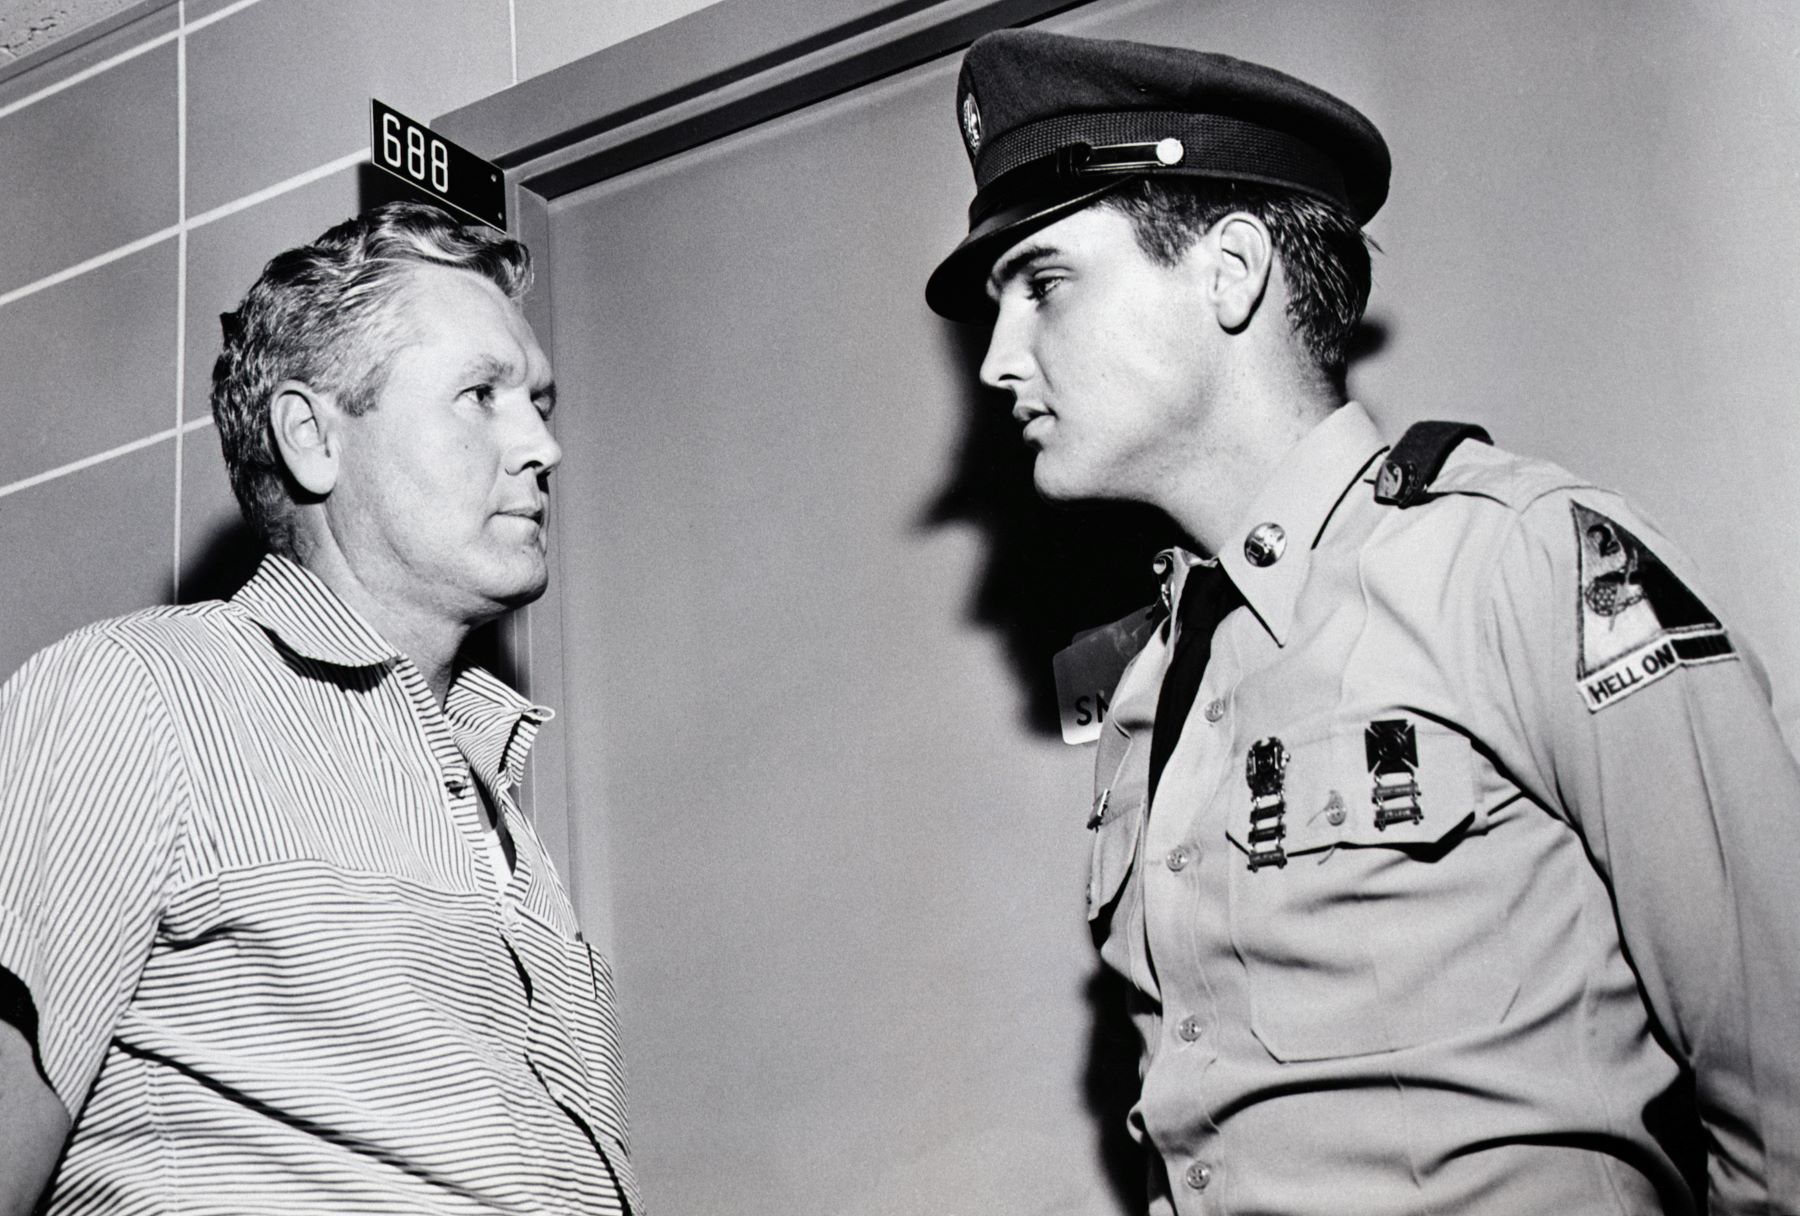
column 1240, row 273
column 304, row 422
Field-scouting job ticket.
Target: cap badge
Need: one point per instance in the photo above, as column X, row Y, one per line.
column 971, row 123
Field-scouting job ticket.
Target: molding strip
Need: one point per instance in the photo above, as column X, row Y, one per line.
column 718, row 71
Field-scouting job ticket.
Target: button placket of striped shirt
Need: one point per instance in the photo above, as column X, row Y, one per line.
column 508, row 818
column 525, row 847
column 494, row 728
column 451, row 775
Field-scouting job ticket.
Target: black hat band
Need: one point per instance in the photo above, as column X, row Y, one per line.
column 1072, row 146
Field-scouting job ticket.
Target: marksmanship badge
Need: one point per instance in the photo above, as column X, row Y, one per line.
column 1637, row 621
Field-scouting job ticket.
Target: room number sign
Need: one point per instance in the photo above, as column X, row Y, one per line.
column 452, row 175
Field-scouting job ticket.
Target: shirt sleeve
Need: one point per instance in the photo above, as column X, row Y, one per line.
column 1653, row 735
column 91, row 792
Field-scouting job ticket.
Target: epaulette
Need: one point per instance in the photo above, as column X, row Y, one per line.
column 1418, row 457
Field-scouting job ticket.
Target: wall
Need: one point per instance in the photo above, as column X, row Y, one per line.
column 29, row 27
column 149, row 165
column 803, row 598
column 1615, row 181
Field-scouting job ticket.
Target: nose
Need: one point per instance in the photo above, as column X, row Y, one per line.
column 534, row 450
column 1008, row 359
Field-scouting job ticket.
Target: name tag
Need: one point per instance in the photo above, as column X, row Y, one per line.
column 1088, row 670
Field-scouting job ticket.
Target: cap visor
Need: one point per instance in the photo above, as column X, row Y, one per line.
column 957, row 289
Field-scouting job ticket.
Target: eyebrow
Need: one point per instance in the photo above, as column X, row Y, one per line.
column 1020, row 262
column 490, row 369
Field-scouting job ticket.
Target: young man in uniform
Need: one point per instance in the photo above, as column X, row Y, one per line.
column 1443, row 833
column 274, row 934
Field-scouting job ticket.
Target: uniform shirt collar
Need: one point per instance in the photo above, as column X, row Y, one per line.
column 308, row 618
column 1299, row 498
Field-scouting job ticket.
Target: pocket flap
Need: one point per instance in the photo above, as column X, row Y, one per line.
column 1117, row 821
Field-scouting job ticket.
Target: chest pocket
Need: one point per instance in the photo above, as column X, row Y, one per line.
column 1367, row 924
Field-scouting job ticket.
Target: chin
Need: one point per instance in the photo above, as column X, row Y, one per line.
column 524, row 595
column 528, row 590
column 1055, row 484
column 518, row 582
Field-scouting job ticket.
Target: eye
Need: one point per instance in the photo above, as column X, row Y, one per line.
column 481, row 394
column 1041, row 284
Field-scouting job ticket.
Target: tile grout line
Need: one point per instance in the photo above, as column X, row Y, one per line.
column 183, row 28
column 279, row 188
column 200, row 23
column 184, row 223
column 125, row 56
column 93, row 263
column 87, row 73
column 178, row 231
column 181, row 269
column 199, row 221
column 88, row 462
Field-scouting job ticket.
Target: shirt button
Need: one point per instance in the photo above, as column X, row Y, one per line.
column 1198, row 1175
column 1215, row 709
column 1189, row 1030
column 1334, row 809
column 1178, row 858
column 456, row 785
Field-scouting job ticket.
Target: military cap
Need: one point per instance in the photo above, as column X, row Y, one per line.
column 1051, row 123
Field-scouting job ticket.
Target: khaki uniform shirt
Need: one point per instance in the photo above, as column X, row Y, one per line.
column 1481, row 1009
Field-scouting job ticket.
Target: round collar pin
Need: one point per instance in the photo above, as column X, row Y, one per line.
column 1265, row 544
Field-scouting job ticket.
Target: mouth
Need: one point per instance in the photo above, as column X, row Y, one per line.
column 530, row 514
column 1033, row 420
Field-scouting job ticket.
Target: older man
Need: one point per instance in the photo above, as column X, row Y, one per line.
column 1470, row 876
column 274, row 935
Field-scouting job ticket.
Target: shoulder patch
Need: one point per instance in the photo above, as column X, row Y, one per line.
column 1636, row 621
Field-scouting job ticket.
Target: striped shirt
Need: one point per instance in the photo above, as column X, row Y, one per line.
column 244, row 877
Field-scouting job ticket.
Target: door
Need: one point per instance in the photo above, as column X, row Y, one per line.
column 817, row 802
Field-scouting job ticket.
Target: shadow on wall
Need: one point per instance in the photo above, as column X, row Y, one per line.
column 1051, row 571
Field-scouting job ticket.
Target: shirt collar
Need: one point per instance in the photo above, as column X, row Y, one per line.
column 308, row 618
column 1299, row 498
column 494, row 726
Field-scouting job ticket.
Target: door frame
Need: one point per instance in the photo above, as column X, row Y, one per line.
column 723, row 69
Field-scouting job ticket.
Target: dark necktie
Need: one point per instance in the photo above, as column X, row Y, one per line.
column 1207, row 597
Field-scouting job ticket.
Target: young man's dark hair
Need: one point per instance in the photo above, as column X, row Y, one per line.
column 1324, row 252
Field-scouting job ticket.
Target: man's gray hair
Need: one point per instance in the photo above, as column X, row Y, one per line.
column 324, row 314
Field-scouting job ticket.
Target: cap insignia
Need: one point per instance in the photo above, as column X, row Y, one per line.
column 971, row 123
